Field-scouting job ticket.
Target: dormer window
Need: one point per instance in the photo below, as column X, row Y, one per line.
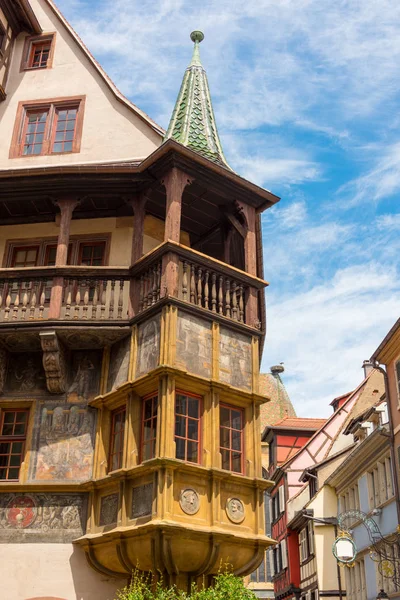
column 38, row 52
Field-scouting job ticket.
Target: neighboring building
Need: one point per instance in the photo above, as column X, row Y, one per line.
column 285, row 438
column 129, row 347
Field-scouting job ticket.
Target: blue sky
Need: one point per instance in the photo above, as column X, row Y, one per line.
column 306, row 97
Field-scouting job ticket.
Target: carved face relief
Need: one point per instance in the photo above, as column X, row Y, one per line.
column 235, row 510
column 189, row 501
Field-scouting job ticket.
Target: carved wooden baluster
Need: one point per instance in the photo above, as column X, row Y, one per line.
column 199, row 286
column 85, row 298
column 95, row 300
column 141, row 293
column 227, row 298
column 158, row 280
column 192, row 285
column 206, row 289
column 42, row 299
column 16, row 303
column 184, row 281
column 234, row 301
column 149, row 287
column 77, row 300
column 112, row 300
column 33, row 300
column 24, row 303
column 214, row 292
column 68, row 299
column 154, row 299
column 103, row 298
column 121, row 298
column 221, row 296
column 241, row 303
column 8, row 303
column 145, row 291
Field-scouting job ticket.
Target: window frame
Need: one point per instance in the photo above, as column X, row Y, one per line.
column 52, row 105
column 200, row 423
column 230, row 449
column 30, row 42
column 4, row 439
column 111, row 454
column 144, row 442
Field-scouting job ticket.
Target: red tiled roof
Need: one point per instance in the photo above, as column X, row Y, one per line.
column 299, row 423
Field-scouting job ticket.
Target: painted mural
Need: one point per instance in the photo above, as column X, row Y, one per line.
column 148, row 346
column 235, row 359
column 41, row 517
column 65, row 445
column 25, row 374
column 84, row 382
column 119, row 364
column 194, row 345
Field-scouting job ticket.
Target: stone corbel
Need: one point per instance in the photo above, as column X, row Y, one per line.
column 3, row 368
column 54, row 363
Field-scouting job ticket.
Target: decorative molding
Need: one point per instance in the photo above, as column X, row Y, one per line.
column 53, row 362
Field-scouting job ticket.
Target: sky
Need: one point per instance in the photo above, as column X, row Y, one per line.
column 306, row 96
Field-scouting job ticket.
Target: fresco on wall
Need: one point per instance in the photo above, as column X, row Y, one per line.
column 194, row 345
column 65, row 444
column 235, row 366
column 84, row 381
column 119, row 363
column 41, row 517
column 148, row 346
column 25, row 374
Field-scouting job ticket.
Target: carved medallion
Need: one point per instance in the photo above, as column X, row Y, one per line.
column 108, row 510
column 189, row 501
column 235, row 510
column 142, row 500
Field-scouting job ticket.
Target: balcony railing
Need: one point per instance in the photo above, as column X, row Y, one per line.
column 75, row 293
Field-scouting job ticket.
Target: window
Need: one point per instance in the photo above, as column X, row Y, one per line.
column 278, row 558
column 14, row 424
column 117, row 439
column 91, row 254
column 149, row 429
column 48, row 127
column 38, row 52
column 231, row 438
column 355, row 582
column 306, row 542
column 380, row 483
column 187, row 427
column 25, row 256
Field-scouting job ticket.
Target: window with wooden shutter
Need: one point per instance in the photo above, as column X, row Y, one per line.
column 284, row 554
column 271, row 562
column 310, row 538
column 389, row 476
column 281, row 493
column 303, row 544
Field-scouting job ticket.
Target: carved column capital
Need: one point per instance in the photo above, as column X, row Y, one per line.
column 54, row 363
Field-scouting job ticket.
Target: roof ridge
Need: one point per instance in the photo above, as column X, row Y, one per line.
column 140, row 113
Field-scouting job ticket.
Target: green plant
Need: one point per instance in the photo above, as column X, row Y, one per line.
column 226, row 587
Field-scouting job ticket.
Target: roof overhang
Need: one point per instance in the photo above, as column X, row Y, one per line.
column 21, row 16
column 389, row 348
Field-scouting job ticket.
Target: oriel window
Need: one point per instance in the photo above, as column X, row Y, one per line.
column 149, row 427
column 117, row 439
column 14, row 425
column 231, row 438
column 187, row 427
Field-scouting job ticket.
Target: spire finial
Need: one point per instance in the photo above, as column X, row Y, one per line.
column 196, row 37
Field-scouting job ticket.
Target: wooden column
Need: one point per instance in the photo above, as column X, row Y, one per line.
column 174, row 182
column 66, row 207
column 250, row 252
column 139, row 210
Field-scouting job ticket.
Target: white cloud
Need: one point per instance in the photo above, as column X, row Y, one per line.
column 389, row 222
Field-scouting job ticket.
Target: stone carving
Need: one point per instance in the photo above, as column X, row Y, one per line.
column 53, row 362
column 85, row 378
column 25, row 374
column 109, row 509
column 142, row 500
column 189, row 501
column 65, row 444
column 148, row 346
column 235, row 359
column 235, row 510
column 41, row 517
column 119, row 363
column 3, row 368
column 194, row 345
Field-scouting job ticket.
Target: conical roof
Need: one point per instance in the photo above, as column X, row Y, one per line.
column 193, row 122
column 280, row 405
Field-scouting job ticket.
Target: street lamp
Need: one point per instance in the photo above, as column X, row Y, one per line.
column 382, row 595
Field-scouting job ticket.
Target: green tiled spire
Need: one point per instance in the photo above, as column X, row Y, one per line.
column 193, row 122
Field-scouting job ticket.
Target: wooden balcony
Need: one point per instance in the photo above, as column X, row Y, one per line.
column 117, row 294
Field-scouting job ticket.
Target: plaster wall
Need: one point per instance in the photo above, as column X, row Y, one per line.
column 386, row 522
column 324, row 504
column 111, row 131
column 51, row 570
column 297, row 503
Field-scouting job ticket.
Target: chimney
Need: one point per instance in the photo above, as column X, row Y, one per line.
column 367, row 366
